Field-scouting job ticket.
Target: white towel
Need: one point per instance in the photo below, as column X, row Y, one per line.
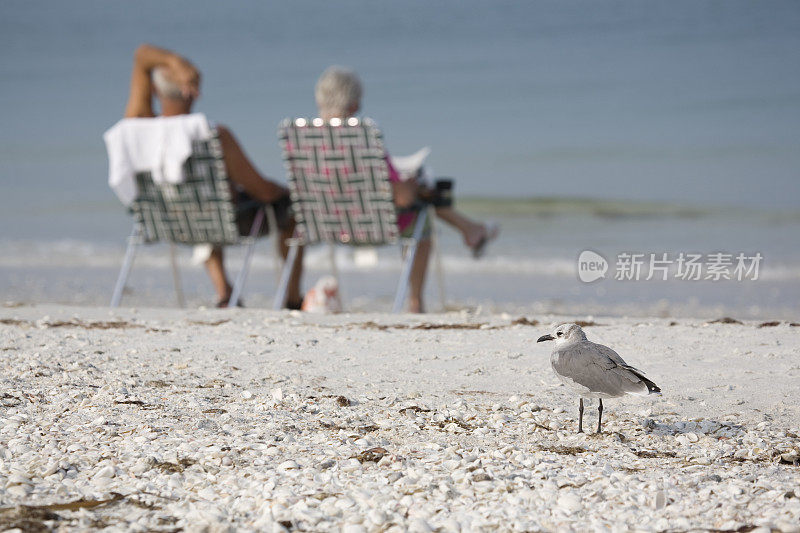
column 160, row 145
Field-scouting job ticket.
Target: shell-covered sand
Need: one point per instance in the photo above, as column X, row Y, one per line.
column 142, row 420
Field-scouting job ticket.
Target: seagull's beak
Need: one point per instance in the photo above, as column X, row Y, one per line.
column 547, row 337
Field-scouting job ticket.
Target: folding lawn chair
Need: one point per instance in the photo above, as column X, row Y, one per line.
column 198, row 210
column 339, row 182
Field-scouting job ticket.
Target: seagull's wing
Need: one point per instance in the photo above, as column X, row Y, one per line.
column 631, row 373
column 601, row 370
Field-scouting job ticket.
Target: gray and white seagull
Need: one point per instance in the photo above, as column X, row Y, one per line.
column 592, row 370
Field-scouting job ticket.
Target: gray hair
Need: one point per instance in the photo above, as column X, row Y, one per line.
column 338, row 91
column 165, row 87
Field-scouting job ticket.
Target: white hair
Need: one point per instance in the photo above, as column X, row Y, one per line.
column 165, row 87
column 338, row 91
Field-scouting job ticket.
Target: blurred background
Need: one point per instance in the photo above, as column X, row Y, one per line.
column 617, row 126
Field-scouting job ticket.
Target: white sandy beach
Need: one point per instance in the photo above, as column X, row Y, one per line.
column 207, row 420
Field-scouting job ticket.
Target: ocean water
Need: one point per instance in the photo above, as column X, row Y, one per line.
column 619, row 126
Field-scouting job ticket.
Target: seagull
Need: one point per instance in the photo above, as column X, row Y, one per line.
column 592, row 370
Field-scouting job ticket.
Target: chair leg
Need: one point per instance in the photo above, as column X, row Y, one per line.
column 272, row 223
column 437, row 260
column 248, row 257
column 405, row 272
column 127, row 264
column 335, row 268
column 176, row 276
column 332, row 259
column 286, row 274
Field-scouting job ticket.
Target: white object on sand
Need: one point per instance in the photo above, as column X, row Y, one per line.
column 323, row 297
column 592, row 370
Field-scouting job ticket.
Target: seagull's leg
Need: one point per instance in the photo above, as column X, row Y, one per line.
column 580, row 416
column 600, row 415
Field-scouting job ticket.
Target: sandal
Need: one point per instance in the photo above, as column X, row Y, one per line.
column 295, row 305
column 491, row 231
column 222, row 304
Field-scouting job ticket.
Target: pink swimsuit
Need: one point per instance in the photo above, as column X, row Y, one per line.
column 405, row 219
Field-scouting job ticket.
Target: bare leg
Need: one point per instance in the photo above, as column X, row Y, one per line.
column 418, row 270
column 580, row 416
column 599, row 415
column 216, row 271
column 242, row 172
column 471, row 230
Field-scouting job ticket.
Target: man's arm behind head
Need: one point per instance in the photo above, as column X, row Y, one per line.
column 178, row 70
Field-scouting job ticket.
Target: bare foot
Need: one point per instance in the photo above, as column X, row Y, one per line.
column 223, row 297
column 415, row 306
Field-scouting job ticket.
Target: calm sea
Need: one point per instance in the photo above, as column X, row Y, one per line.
column 637, row 125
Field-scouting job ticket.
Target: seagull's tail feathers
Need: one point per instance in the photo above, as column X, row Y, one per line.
column 652, row 388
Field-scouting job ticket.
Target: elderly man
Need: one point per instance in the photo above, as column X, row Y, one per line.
column 175, row 82
column 338, row 95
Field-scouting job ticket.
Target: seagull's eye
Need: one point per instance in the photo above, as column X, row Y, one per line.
column 559, row 333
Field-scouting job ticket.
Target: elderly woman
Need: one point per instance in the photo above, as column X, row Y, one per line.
column 338, row 95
